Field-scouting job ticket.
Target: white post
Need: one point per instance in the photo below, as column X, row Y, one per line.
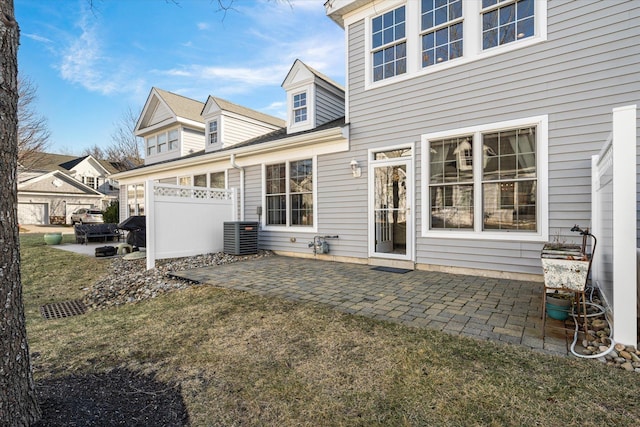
column 149, row 207
column 596, row 227
column 234, row 204
column 624, row 225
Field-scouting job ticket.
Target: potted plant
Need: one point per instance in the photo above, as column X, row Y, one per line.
column 559, row 305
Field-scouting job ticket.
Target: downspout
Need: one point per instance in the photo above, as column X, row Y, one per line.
column 232, row 159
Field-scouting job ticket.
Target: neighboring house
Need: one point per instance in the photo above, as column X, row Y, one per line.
column 52, row 186
column 470, row 127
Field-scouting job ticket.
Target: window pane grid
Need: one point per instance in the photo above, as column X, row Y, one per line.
column 294, row 200
column 508, row 182
column 509, row 192
column 506, row 21
column 389, row 49
column 443, row 41
column 300, row 107
column 451, row 206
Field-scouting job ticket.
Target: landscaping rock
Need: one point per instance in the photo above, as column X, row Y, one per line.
column 129, row 281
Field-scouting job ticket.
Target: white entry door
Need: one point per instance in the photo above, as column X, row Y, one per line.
column 391, row 207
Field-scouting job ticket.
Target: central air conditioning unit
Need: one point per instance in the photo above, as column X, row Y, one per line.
column 240, row 238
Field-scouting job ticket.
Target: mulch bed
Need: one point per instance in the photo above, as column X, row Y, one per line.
column 117, row 398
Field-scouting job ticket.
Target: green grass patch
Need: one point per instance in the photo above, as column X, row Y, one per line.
column 247, row 360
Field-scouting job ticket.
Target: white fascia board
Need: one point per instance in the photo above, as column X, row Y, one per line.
column 60, row 175
column 305, row 141
column 76, row 195
column 191, row 123
column 371, row 8
column 94, row 164
column 168, row 123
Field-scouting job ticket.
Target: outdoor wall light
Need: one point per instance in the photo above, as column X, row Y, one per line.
column 355, row 168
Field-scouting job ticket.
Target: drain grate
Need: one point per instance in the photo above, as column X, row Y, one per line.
column 59, row 310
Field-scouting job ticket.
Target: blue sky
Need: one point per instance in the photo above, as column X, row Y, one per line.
column 91, row 64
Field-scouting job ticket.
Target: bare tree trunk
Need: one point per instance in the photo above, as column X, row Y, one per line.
column 18, row 405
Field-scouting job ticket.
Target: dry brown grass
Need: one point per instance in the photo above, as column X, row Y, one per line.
column 246, row 360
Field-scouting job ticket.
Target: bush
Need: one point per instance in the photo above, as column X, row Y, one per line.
column 111, row 215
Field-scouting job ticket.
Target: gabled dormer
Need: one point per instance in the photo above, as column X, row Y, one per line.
column 228, row 124
column 171, row 126
column 92, row 172
column 313, row 99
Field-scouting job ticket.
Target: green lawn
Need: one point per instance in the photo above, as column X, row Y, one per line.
column 247, row 360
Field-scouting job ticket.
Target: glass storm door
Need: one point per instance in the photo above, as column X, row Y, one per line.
column 392, row 223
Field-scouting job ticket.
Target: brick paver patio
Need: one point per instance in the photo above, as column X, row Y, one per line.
column 484, row 308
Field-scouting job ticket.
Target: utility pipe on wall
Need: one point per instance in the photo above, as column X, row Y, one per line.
column 241, row 169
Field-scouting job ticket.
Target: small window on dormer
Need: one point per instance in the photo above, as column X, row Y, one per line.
column 173, row 139
column 151, row 146
column 162, row 142
column 300, row 107
column 213, row 132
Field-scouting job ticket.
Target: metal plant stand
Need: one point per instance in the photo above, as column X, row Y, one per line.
column 566, row 269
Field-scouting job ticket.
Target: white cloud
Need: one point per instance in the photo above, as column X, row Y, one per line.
column 84, row 62
column 37, row 38
column 203, row 25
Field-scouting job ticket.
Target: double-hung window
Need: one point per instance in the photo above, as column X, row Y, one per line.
column 419, row 37
column 289, row 194
column 213, row 132
column 162, row 142
column 300, row 107
column 90, row 181
column 389, row 44
column 441, row 36
column 505, row 21
column 487, row 180
column 151, row 145
column 173, row 139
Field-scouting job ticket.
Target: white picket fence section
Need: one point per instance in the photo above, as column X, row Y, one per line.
column 186, row 221
column 614, row 219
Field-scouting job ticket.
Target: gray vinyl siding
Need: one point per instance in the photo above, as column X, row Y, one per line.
column 588, row 66
column 328, row 106
column 237, row 130
column 339, row 212
column 192, row 141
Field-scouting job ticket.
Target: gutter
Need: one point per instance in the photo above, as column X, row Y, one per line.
column 232, row 160
column 279, row 144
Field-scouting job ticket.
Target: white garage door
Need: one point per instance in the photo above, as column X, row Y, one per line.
column 32, row 213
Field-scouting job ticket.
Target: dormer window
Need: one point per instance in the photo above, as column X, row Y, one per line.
column 213, row 132
column 173, row 139
column 300, row 107
column 162, row 143
column 151, row 146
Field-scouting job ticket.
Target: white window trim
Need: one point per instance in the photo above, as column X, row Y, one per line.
column 217, row 144
column 542, row 208
column 290, row 228
column 226, row 178
column 166, row 143
column 472, row 41
column 294, row 109
column 178, row 143
column 311, row 101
